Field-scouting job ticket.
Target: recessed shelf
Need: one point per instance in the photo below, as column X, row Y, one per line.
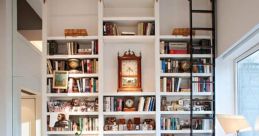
column 129, row 39
column 130, row 113
column 64, row 57
column 130, row 94
column 173, row 37
column 129, row 4
column 76, row 75
column 186, row 112
column 185, row 131
column 185, row 56
column 186, row 93
column 185, row 74
column 72, row 132
column 138, row 132
column 134, row 20
column 73, row 38
column 72, row 95
column 74, row 113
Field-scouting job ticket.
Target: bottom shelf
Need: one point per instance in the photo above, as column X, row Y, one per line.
column 185, row 131
column 129, row 132
column 72, row 132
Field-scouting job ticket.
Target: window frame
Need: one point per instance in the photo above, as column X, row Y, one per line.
column 238, row 59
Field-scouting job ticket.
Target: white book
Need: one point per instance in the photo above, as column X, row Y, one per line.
column 148, row 31
column 112, row 104
column 78, row 85
column 162, row 47
column 147, row 103
column 164, row 84
column 92, row 47
column 107, row 104
column 172, row 85
column 83, row 89
column 179, row 84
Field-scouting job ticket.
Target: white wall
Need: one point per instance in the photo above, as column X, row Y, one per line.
column 26, row 73
column 6, row 67
column 235, row 18
column 225, row 74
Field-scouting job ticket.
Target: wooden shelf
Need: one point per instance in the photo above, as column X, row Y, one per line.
column 72, row 94
column 184, row 38
column 137, row 132
column 64, row 57
column 186, row 112
column 185, row 74
column 185, row 56
column 76, row 75
column 130, row 113
column 72, row 132
column 74, row 113
column 129, row 39
column 129, row 4
column 185, row 131
column 73, row 38
column 186, row 93
column 142, row 19
column 130, row 94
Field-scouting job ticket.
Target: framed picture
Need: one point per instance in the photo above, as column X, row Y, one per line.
column 60, row 79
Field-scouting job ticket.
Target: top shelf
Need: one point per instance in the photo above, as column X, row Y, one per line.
column 73, row 38
column 128, row 3
column 173, row 37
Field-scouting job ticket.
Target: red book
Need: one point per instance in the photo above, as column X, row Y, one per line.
column 178, row 52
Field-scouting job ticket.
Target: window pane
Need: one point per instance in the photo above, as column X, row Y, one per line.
column 248, row 90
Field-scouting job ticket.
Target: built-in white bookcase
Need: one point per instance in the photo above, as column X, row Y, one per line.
column 126, row 14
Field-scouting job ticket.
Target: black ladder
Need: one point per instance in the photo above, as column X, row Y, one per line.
column 211, row 29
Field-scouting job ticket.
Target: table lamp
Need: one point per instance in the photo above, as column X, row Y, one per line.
column 233, row 123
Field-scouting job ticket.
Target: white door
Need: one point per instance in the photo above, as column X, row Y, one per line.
column 28, row 115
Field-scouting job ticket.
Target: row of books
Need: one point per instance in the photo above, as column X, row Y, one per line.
column 180, row 66
column 110, row 28
column 173, row 66
column 173, row 47
column 72, row 48
column 74, row 124
column 179, row 124
column 173, row 123
column 76, row 85
column 114, row 104
column 86, row 66
column 143, row 28
column 74, row 105
column 89, row 65
column 146, row 103
column 173, row 84
column 146, row 28
column 83, row 85
column 201, row 84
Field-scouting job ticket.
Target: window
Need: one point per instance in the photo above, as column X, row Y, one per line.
column 248, row 89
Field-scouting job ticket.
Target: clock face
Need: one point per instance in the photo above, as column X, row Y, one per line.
column 129, row 67
column 129, row 103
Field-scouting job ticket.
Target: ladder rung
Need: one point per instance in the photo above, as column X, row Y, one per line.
column 201, row 11
column 201, row 28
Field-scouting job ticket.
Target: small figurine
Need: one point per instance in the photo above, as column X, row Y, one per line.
column 130, row 125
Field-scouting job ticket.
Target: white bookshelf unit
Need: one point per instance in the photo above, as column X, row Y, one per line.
column 90, row 98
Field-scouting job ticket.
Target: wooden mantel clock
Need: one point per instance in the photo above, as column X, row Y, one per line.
column 129, row 72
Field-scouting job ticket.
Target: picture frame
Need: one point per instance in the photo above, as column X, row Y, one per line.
column 60, row 79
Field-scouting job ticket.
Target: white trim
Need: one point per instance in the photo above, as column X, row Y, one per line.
column 241, row 57
column 240, row 43
column 21, row 37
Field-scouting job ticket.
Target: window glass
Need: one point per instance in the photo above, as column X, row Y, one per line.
column 248, row 90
